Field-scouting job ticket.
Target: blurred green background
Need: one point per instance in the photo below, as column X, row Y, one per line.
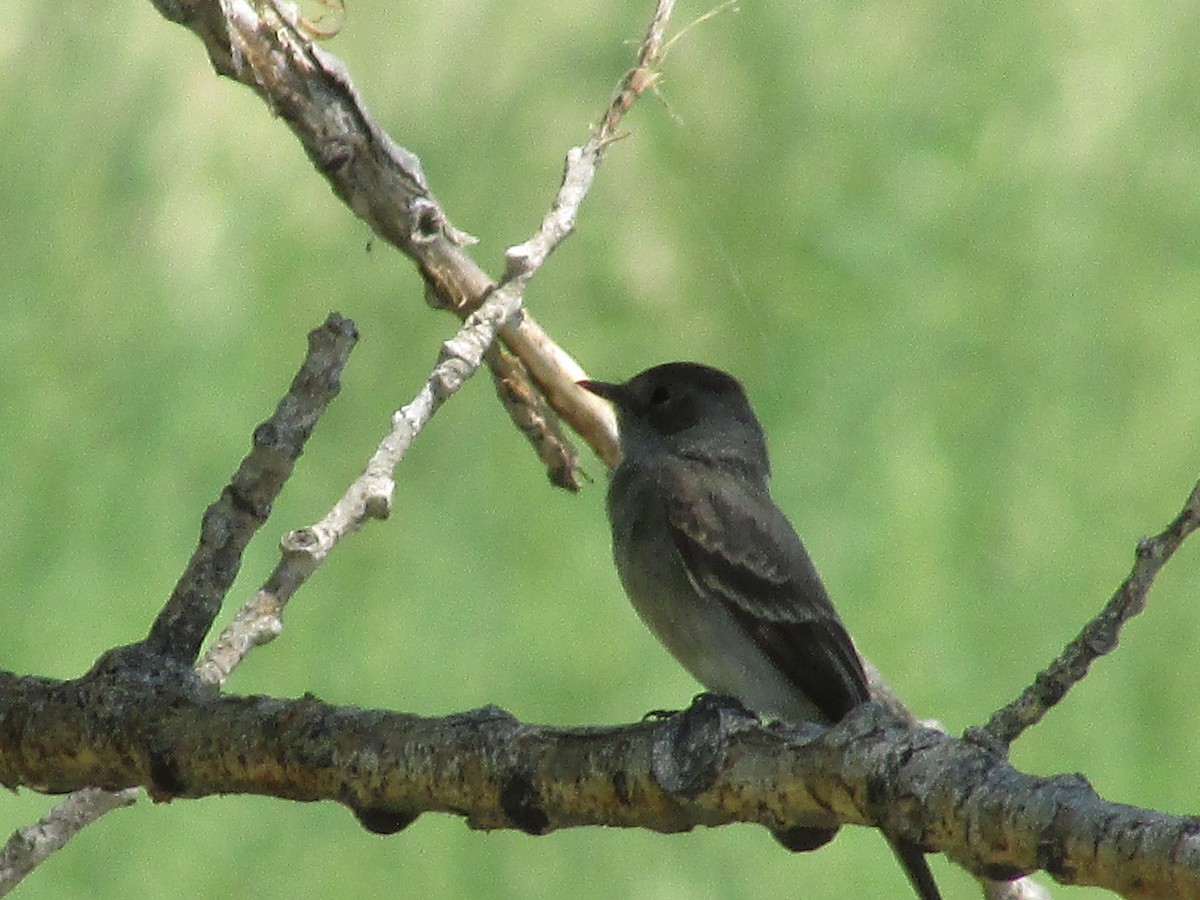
column 951, row 249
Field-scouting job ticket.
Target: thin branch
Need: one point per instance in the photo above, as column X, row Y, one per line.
column 32, row 845
column 384, row 185
column 582, row 162
column 699, row 20
column 555, row 371
column 1098, row 638
column 368, row 170
column 228, row 525
column 245, row 503
column 370, row 495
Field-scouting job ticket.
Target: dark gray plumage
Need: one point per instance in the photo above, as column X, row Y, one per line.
column 715, row 569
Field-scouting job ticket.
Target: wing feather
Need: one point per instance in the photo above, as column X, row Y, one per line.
column 740, row 550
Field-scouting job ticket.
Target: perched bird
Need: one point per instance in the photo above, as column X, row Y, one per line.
column 715, row 569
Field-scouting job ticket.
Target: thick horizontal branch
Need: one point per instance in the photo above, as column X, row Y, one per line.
column 710, row 765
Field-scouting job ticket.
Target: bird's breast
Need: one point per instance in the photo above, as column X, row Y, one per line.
column 694, row 626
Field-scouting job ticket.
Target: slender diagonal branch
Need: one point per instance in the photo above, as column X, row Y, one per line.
column 384, row 184
column 370, row 495
column 32, row 845
column 228, row 525
column 1098, row 638
column 245, row 503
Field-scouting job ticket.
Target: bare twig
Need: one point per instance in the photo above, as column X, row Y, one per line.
column 245, row 503
column 30, row 846
column 368, row 497
column 554, row 369
column 228, row 525
column 582, row 162
column 1098, row 637
column 268, row 49
column 699, row 20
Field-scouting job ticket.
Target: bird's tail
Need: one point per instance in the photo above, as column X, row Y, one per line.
column 912, row 859
column 916, row 868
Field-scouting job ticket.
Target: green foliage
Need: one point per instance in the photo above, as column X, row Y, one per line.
column 951, row 251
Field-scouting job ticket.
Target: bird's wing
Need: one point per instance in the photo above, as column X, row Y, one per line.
column 739, row 549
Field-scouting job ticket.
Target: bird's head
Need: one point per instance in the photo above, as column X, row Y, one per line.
column 686, row 409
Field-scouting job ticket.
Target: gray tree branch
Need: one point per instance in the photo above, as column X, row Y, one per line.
column 1098, row 638
column 149, row 719
column 147, row 724
column 266, row 47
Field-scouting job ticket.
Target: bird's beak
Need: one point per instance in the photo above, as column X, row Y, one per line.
column 610, row 392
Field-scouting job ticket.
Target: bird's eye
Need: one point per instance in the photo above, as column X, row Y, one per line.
column 659, row 396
